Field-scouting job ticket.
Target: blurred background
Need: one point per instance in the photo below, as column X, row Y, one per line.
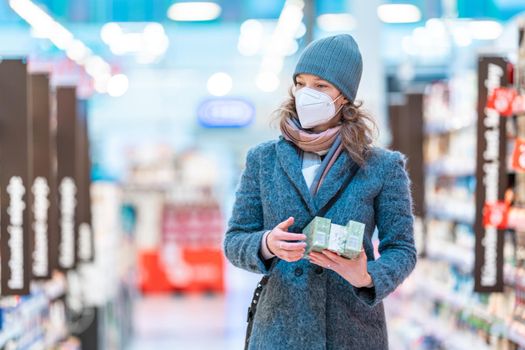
column 124, row 127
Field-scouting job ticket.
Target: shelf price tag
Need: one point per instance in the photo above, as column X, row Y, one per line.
column 501, row 100
column 496, row 215
column 506, row 101
column 518, row 155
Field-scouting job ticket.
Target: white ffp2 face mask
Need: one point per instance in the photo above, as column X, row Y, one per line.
column 314, row 107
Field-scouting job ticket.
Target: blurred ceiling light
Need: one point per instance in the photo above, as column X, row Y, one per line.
column 77, row 51
column 118, row 85
column 398, row 13
column 272, row 63
column 485, row 29
column 293, row 47
column 154, row 30
column 461, row 34
column 267, row 81
column 428, row 42
column 45, row 26
column 110, row 32
column 437, row 27
column 301, row 31
column 280, row 45
column 101, row 83
column 194, row 11
column 248, row 48
column 148, row 45
column 336, row 22
column 250, row 39
column 219, row 84
column 252, row 27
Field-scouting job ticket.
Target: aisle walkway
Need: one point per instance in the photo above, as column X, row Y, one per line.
column 198, row 322
column 190, row 322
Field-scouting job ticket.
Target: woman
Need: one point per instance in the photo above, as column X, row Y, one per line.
column 325, row 301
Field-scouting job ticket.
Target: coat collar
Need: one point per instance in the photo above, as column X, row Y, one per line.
column 334, row 180
column 290, row 160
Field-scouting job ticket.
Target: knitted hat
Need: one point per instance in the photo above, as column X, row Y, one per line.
column 336, row 59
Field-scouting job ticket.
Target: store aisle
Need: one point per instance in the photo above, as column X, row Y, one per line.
column 190, row 322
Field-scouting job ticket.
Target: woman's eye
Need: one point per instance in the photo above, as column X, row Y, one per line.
column 299, row 84
column 321, row 86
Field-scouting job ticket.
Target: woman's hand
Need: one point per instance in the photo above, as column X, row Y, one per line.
column 279, row 245
column 353, row 270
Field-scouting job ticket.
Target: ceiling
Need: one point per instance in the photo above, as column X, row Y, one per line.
column 102, row 11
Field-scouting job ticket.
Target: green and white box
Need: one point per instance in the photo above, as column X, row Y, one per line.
column 354, row 239
column 317, row 233
column 337, row 240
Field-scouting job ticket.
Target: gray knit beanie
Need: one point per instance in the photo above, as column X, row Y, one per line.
column 336, row 59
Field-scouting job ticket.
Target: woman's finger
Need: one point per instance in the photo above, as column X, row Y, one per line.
column 323, row 260
column 291, row 247
column 288, row 236
column 333, row 256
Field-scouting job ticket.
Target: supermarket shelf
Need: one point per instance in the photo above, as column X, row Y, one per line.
column 450, row 213
column 513, row 335
column 448, row 125
column 55, row 289
column 511, row 275
column 28, row 308
column 456, row 300
column 9, row 333
column 440, row 329
column 55, row 339
column 506, row 329
column 451, row 168
column 456, row 255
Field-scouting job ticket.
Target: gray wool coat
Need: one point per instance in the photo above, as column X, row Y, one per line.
column 304, row 306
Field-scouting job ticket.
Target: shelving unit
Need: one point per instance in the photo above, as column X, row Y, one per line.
column 458, row 294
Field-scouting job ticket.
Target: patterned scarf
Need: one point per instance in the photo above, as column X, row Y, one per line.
column 327, row 142
column 309, row 141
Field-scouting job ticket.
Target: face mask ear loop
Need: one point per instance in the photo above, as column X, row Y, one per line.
column 340, row 107
column 337, row 98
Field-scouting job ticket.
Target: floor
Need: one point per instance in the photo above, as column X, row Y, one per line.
column 195, row 322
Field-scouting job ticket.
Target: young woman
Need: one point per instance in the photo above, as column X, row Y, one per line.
column 325, row 301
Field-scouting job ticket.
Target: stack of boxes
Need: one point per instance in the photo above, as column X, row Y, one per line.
column 346, row 241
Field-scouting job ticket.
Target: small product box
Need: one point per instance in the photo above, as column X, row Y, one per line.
column 346, row 241
column 317, row 234
column 354, row 239
column 337, row 239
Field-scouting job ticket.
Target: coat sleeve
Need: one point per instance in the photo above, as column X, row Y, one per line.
column 242, row 242
column 395, row 224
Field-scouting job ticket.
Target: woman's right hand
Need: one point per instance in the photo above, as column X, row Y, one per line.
column 279, row 238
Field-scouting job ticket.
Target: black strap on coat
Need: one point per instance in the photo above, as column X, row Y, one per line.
column 258, row 290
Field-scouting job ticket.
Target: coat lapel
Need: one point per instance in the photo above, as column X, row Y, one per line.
column 290, row 161
column 334, row 180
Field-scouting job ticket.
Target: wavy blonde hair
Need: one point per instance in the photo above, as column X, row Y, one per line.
column 358, row 128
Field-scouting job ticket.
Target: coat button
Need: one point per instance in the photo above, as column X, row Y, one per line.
column 298, row 271
column 318, row 270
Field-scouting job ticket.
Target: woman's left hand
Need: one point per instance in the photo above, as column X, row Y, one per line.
column 353, row 270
